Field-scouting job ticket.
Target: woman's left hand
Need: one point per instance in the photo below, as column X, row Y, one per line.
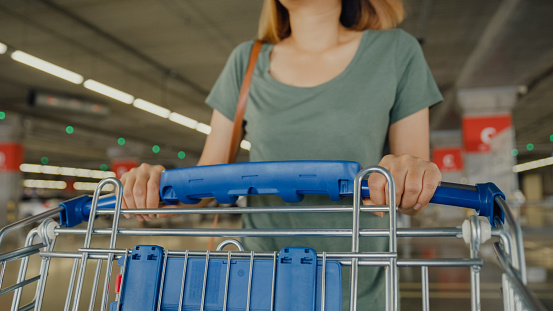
column 415, row 179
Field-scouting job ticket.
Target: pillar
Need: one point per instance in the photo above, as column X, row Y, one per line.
column 11, row 157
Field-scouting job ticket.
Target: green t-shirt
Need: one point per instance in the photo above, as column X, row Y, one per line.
column 346, row 118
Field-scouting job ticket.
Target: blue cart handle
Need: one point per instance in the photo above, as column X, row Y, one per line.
column 291, row 180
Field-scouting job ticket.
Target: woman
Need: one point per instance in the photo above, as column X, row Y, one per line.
column 333, row 82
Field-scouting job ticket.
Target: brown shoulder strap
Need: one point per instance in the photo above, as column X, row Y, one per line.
column 242, row 101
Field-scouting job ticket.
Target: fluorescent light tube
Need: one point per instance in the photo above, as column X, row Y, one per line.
column 47, row 67
column 44, row 184
column 245, row 145
column 533, row 165
column 3, row 48
column 151, row 108
column 183, row 120
column 108, row 91
column 203, row 128
column 66, row 171
column 89, row 186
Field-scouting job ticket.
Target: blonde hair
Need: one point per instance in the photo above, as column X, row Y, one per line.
column 274, row 24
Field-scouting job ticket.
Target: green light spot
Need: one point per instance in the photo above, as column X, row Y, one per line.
column 530, row 147
column 514, row 152
column 181, row 154
column 121, row 141
column 3, row 116
column 551, row 138
column 155, row 149
column 69, row 129
column 44, row 160
column 104, row 167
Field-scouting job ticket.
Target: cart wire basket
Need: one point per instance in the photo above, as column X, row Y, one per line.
column 151, row 277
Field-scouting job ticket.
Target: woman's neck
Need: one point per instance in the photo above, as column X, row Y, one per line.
column 316, row 28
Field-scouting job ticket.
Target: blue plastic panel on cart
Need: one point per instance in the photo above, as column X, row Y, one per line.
column 290, row 180
column 261, row 288
column 143, row 289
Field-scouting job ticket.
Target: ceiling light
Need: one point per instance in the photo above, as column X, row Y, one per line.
column 30, row 168
column 65, row 171
column 3, row 48
column 108, row 91
column 183, row 120
column 151, row 108
column 533, row 165
column 245, row 145
column 44, row 184
column 203, row 128
column 90, row 186
column 47, row 67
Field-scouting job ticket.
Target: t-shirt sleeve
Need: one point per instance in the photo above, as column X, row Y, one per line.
column 226, row 90
column 416, row 88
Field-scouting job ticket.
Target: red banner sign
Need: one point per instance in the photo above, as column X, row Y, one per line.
column 448, row 159
column 11, row 157
column 478, row 131
column 120, row 167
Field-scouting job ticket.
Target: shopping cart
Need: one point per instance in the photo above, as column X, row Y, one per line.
column 154, row 278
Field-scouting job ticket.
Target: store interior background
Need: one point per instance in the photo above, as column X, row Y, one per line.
column 492, row 60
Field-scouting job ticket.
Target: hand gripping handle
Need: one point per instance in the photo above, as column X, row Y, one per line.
column 291, row 180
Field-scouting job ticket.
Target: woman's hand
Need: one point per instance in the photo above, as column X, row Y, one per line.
column 141, row 189
column 415, row 179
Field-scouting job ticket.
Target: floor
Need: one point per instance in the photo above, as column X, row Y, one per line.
column 449, row 288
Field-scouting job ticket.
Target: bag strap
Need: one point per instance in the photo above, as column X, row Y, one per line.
column 237, row 133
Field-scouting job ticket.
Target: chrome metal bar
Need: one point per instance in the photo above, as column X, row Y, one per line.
column 250, row 210
column 27, row 221
column 21, row 253
column 229, row 242
column 425, row 293
column 445, row 262
column 323, row 283
column 518, row 285
column 22, row 271
column 163, row 271
column 28, row 306
column 355, row 234
column 95, row 285
column 250, row 277
column 80, row 280
column 475, row 270
column 227, row 280
column 421, row 232
column 123, row 270
column 71, row 284
column 273, row 284
column 516, row 234
column 2, row 273
column 202, row 304
column 18, row 285
column 107, row 279
column 184, row 279
column 41, row 286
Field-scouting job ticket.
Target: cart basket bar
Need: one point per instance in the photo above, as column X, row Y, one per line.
column 291, row 180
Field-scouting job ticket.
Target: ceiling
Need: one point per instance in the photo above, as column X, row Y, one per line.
column 170, row 52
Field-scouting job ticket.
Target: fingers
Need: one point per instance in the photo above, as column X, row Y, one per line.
column 412, row 186
column 431, row 180
column 141, row 188
column 378, row 185
column 368, row 201
column 415, row 180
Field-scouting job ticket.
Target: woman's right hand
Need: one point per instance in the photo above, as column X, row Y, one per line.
column 141, row 189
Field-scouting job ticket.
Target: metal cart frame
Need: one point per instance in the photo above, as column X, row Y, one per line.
column 509, row 249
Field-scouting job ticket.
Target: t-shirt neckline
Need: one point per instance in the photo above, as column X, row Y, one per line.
column 348, row 68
